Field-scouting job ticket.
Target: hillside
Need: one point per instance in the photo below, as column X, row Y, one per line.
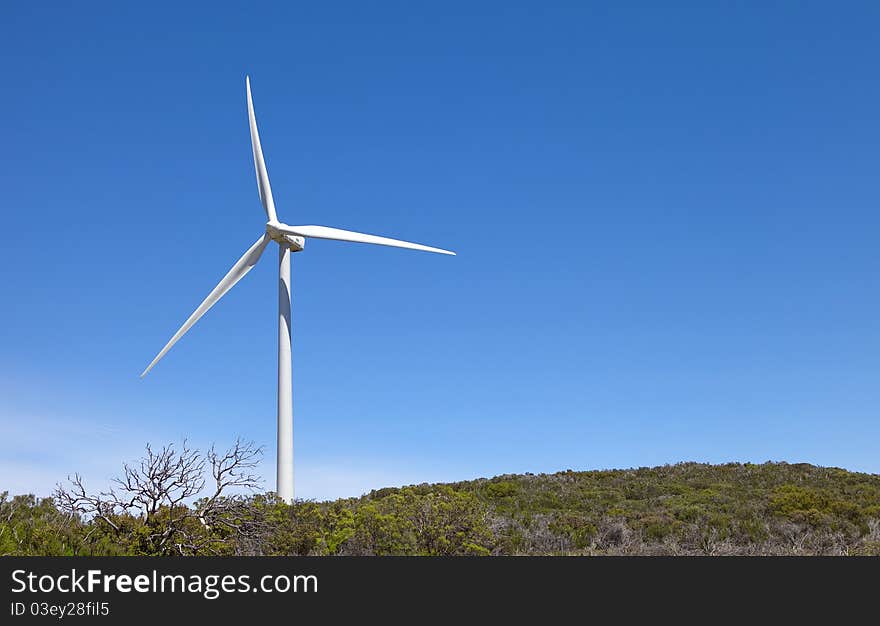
column 688, row 508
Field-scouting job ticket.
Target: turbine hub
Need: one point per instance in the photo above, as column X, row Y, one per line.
column 295, row 243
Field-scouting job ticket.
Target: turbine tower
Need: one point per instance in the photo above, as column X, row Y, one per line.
column 289, row 239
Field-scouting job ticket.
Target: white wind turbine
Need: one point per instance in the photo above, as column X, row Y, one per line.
column 289, row 239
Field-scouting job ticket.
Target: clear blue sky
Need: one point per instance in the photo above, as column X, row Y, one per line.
column 666, row 222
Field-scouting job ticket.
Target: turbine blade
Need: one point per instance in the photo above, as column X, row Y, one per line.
column 259, row 162
column 241, row 267
column 337, row 234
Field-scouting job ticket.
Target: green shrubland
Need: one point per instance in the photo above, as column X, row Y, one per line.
column 682, row 509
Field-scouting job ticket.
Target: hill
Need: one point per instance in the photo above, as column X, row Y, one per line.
column 688, row 508
column 683, row 509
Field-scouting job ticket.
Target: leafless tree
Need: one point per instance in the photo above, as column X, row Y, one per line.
column 160, row 491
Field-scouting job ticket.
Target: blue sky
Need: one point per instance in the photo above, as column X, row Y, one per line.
column 666, row 222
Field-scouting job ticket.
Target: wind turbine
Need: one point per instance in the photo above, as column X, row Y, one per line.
column 289, row 239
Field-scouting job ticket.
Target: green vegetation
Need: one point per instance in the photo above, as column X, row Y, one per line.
column 688, row 508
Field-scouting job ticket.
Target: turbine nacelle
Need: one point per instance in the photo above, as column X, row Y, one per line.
column 280, row 234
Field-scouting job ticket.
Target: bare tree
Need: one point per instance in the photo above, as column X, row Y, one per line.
column 160, row 493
